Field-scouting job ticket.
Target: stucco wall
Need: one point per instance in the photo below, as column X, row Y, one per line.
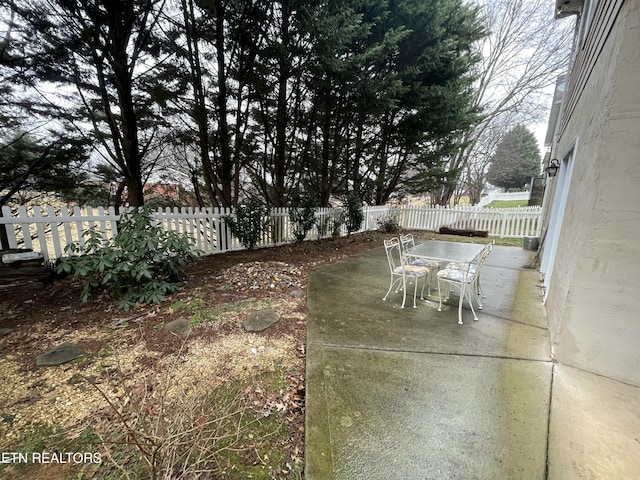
column 593, row 301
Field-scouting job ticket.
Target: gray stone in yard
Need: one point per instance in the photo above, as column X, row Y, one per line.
column 180, row 326
column 260, row 320
column 297, row 293
column 63, row 353
column 7, row 418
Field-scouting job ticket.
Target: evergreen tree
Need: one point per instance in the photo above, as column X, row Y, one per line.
column 362, row 96
column 29, row 167
column 516, row 160
column 100, row 57
column 391, row 91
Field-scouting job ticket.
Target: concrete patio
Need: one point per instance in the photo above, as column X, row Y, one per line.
column 410, row 394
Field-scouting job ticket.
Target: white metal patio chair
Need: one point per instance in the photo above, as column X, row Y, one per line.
column 472, row 267
column 465, row 278
column 401, row 273
column 406, row 242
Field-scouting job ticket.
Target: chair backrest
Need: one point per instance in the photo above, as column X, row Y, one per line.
column 394, row 254
column 406, row 241
column 486, row 250
column 480, row 260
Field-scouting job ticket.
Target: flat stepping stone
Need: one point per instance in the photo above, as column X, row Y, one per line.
column 63, row 353
column 181, row 326
column 260, row 320
column 7, row 418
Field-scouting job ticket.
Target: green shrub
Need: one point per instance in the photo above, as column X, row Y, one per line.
column 302, row 214
column 354, row 216
column 335, row 224
column 248, row 224
column 323, row 227
column 141, row 264
column 389, row 223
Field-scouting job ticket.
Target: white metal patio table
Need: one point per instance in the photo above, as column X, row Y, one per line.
column 446, row 251
column 460, row 253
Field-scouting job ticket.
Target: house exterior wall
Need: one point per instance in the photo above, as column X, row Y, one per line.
column 593, row 297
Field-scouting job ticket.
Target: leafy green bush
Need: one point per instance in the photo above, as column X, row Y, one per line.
column 323, row 227
column 389, row 223
column 302, row 214
column 142, row 263
column 335, row 223
column 250, row 221
column 354, row 216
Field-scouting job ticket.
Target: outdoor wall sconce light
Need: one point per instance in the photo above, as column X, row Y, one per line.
column 552, row 168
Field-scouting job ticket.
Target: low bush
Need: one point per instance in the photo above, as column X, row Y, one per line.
column 141, row 264
column 354, row 216
column 389, row 223
column 335, row 224
column 248, row 224
column 302, row 213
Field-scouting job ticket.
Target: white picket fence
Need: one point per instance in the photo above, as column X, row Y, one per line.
column 499, row 222
column 48, row 230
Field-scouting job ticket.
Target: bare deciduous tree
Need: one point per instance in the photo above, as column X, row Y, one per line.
column 523, row 54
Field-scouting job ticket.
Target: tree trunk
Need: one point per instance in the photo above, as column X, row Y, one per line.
column 120, row 29
column 279, row 193
column 200, row 108
column 325, row 192
column 226, row 167
column 357, row 158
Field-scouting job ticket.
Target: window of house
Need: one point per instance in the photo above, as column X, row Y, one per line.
column 586, row 18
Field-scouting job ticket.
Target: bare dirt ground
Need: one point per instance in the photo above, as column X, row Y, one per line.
column 127, row 352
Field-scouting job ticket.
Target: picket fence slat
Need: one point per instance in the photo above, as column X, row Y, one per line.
column 50, row 229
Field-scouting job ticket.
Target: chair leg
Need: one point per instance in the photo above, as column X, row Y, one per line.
column 429, row 279
column 415, row 292
column 404, row 291
column 480, row 292
column 439, row 297
column 476, row 292
column 460, row 304
column 475, row 317
column 384, row 299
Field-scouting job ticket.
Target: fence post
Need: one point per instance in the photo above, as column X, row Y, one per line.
column 4, row 238
column 11, row 232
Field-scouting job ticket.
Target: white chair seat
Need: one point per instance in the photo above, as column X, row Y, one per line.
column 411, row 270
column 423, row 262
column 461, row 266
column 455, row 275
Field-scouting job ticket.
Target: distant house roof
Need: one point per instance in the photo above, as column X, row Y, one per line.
column 167, row 190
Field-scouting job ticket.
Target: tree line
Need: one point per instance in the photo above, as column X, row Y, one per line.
column 242, row 97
